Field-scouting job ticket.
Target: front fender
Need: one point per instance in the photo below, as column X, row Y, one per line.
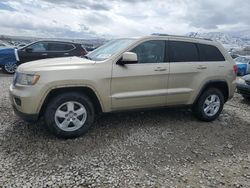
column 53, row 86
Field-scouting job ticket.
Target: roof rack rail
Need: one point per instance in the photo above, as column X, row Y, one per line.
column 162, row 34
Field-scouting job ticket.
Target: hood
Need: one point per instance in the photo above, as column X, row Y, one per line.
column 55, row 64
column 6, row 51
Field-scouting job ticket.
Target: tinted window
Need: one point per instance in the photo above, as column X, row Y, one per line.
column 183, row 51
column 69, row 47
column 39, row 47
column 60, row 47
column 210, row 53
column 150, row 51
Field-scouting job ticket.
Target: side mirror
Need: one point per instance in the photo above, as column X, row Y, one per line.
column 28, row 50
column 128, row 58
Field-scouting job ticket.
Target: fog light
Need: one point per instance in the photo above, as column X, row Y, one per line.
column 17, row 101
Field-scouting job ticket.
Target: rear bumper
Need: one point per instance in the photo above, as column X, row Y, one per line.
column 243, row 89
column 232, row 88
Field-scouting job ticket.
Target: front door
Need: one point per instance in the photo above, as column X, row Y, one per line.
column 143, row 84
column 36, row 51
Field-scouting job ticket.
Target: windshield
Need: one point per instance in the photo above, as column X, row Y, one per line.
column 242, row 60
column 109, row 49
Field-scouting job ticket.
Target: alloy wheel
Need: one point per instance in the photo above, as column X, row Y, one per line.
column 70, row 116
column 211, row 105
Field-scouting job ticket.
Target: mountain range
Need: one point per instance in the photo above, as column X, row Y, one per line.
column 227, row 40
column 235, row 41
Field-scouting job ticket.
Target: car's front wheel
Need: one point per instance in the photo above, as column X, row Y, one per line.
column 69, row 115
column 209, row 105
column 10, row 67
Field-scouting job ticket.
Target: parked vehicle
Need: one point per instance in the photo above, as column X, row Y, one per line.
column 49, row 49
column 243, row 86
column 125, row 74
column 21, row 45
column 233, row 55
column 243, row 63
column 8, row 60
column 3, row 45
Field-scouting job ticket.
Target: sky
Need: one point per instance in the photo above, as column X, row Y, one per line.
column 121, row 18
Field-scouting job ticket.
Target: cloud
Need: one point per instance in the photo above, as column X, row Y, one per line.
column 121, row 18
column 4, row 6
column 213, row 14
column 79, row 4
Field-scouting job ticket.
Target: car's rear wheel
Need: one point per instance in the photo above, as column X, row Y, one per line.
column 209, row 105
column 69, row 115
column 10, row 67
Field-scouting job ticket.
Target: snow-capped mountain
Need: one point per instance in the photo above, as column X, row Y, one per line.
column 227, row 40
column 245, row 34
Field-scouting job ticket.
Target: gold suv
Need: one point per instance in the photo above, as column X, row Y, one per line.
column 125, row 74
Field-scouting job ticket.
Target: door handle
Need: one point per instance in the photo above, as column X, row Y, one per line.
column 66, row 53
column 44, row 54
column 160, row 69
column 201, row 67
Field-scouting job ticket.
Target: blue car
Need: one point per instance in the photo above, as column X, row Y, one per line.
column 243, row 64
column 8, row 60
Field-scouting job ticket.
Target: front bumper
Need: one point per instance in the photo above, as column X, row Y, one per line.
column 25, row 103
column 27, row 117
column 243, row 89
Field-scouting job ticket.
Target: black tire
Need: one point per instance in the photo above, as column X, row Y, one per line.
column 8, row 71
column 59, row 100
column 246, row 98
column 198, row 108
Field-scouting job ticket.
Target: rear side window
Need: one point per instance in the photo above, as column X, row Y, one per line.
column 60, row 47
column 210, row 53
column 183, row 51
column 68, row 47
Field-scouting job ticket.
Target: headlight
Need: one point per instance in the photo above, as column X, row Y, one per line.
column 241, row 81
column 26, row 79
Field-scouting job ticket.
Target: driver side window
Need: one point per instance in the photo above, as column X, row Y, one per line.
column 39, row 47
column 150, row 51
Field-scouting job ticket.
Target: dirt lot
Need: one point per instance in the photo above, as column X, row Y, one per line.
column 160, row 148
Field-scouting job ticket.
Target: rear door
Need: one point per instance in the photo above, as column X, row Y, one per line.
column 60, row 49
column 191, row 66
column 143, row 84
column 184, row 72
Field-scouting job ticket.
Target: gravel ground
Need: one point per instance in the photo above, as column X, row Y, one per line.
column 160, row 148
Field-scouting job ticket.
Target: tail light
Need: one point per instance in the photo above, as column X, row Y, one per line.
column 235, row 69
column 83, row 52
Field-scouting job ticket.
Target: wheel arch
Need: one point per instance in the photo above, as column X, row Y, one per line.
column 218, row 84
column 81, row 89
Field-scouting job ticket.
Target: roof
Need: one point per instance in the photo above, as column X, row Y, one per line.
column 181, row 36
column 52, row 40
